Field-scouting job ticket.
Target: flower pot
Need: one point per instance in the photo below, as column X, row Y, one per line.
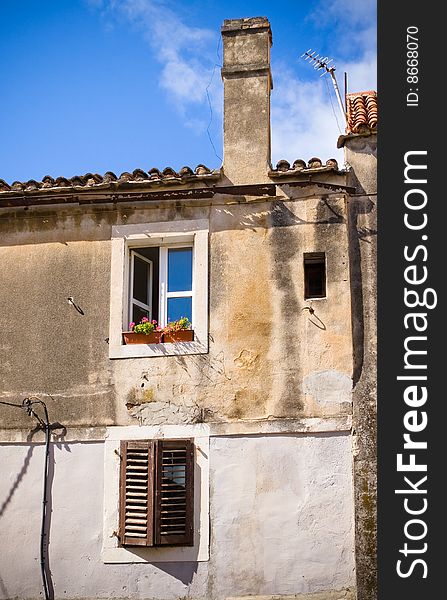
column 182, row 335
column 130, row 337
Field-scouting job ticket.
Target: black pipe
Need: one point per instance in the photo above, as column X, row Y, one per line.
column 27, row 404
column 44, row 509
column 45, row 424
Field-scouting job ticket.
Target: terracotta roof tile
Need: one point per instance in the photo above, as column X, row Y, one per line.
column 91, row 180
column 298, row 164
column 314, row 165
column 362, row 112
column 155, row 177
column 109, row 177
column 185, row 171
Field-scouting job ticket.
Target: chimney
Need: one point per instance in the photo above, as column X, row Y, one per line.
column 247, row 84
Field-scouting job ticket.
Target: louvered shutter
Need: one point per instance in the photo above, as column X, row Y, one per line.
column 174, row 493
column 137, row 493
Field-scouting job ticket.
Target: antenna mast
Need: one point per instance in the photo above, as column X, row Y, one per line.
column 320, row 62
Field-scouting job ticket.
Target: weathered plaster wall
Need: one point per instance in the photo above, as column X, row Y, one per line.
column 361, row 154
column 269, row 357
column 281, row 523
column 47, row 346
column 273, row 531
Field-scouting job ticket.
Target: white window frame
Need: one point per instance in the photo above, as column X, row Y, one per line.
column 163, row 283
column 132, row 299
column 165, row 235
column 111, row 551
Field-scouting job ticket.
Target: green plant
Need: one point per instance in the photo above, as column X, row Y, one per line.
column 144, row 326
column 182, row 323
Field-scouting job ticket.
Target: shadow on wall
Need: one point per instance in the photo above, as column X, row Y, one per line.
column 65, row 226
column 278, row 215
column 48, row 499
column 17, row 480
column 4, row 505
column 358, row 207
column 183, row 571
column 3, row 590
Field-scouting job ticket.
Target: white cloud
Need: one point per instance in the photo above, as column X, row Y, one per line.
column 359, row 13
column 303, row 123
column 362, row 74
column 184, row 52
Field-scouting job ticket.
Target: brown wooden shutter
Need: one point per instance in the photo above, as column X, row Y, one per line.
column 174, row 497
column 137, row 493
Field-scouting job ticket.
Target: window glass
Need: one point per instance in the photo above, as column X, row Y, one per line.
column 138, row 313
column 140, row 280
column 179, row 270
column 153, row 254
column 179, row 307
column 314, row 275
column 174, row 474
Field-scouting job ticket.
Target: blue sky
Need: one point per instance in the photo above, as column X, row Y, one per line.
column 98, row 85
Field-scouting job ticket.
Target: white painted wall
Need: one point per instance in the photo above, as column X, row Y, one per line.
column 283, row 514
column 281, row 522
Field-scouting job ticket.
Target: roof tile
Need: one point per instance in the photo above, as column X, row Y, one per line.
column 361, row 112
column 314, row 165
column 168, row 175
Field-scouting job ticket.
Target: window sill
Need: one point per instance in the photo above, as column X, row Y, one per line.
column 161, row 349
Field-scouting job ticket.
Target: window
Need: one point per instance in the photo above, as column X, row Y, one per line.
column 151, row 447
column 314, row 275
column 160, row 283
column 141, row 302
column 157, row 493
column 159, row 271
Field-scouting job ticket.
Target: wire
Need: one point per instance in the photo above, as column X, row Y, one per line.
column 11, row 404
column 43, row 544
column 209, row 101
column 211, row 115
column 332, row 105
column 45, row 424
column 27, row 404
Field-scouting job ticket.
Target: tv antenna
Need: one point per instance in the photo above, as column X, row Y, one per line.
column 323, row 62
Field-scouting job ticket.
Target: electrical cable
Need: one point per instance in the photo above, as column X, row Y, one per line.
column 332, row 105
column 11, row 404
column 209, row 100
column 43, row 544
column 44, row 424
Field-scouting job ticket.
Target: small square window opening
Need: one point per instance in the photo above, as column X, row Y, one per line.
column 314, row 275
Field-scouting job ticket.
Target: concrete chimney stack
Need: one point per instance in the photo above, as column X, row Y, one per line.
column 247, row 84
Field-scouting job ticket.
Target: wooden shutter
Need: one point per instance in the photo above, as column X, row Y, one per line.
column 137, row 493
column 174, row 495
